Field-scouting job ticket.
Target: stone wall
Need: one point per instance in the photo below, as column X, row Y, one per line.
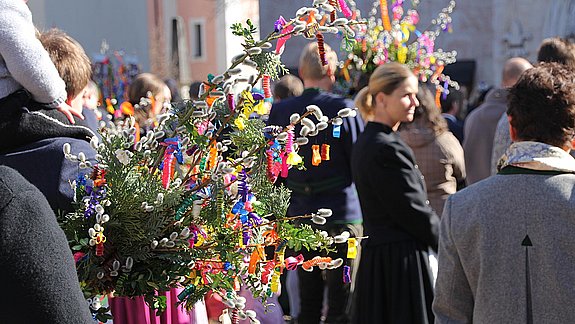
column 487, row 32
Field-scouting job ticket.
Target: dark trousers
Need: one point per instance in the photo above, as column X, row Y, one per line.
column 312, row 284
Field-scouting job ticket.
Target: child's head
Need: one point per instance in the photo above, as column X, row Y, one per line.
column 142, row 86
column 91, row 95
column 70, row 60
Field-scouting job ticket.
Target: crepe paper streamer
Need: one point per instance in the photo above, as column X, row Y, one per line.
column 289, row 141
column 276, row 279
column 186, row 292
column 325, row 152
column 281, row 245
column 351, row 248
column 172, row 154
column 100, row 249
column 231, row 102
column 397, row 10
column 336, row 131
column 438, row 97
column 280, row 258
column 267, row 271
column 291, row 262
column 316, row 157
column 206, row 279
column 270, row 236
column 279, row 24
column 345, row 70
column 284, row 166
column 241, row 242
column 254, row 219
column 445, row 90
column 237, row 285
column 312, row 25
column 168, row 168
column 248, row 102
column 248, row 206
column 384, row 15
column 346, row 274
column 309, row 264
column 332, row 14
column 345, row 9
column 261, row 108
column 245, row 235
column 272, row 176
column 240, row 122
column 126, row 108
column 255, row 257
column 402, row 54
column 294, row 159
column 266, row 86
column 321, row 48
column 212, row 157
column 109, row 107
column 280, row 45
column 437, row 72
column 199, row 241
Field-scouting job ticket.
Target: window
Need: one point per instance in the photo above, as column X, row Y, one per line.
column 197, row 39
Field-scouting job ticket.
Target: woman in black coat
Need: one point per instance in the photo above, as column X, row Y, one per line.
column 394, row 281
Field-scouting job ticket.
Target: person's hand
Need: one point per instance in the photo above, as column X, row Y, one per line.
column 69, row 112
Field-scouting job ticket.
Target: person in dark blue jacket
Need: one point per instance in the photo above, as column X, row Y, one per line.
column 32, row 138
column 328, row 185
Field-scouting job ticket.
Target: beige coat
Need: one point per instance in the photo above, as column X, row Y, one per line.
column 440, row 160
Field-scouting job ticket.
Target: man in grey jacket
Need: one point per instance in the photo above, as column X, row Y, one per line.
column 507, row 248
column 480, row 125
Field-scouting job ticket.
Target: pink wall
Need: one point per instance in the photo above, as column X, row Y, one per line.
column 206, row 9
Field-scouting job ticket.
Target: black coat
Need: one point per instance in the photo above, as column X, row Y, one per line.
column 394, row 281
column 37, row 273
column 391, row 189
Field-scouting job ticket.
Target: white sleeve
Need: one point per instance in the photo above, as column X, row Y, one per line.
column 26, row 59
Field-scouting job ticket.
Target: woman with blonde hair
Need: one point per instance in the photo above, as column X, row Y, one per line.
column 394, row 280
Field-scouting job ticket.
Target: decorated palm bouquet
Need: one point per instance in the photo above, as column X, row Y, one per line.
column 193, row 202
column 396, row 35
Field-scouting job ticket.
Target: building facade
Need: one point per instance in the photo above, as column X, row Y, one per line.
column 180, row 39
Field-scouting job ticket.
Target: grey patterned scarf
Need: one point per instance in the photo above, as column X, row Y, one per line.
column 537, row 156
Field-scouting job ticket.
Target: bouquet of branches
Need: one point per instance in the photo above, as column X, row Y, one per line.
column 397, row 37
column 193, row 203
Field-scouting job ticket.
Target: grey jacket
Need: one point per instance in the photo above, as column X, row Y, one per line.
column 482, row 261
column 479, row 129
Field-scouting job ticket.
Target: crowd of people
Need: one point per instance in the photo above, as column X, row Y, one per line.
column 458, row 220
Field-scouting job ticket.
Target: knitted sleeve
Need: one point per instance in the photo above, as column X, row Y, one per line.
column 24, row 57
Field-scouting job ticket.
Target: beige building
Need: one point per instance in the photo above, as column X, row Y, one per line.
column 181, row 39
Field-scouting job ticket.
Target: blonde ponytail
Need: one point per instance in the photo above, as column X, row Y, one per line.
column 364, row 102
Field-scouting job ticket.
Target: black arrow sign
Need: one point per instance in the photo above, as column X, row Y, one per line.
column 529, row 307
